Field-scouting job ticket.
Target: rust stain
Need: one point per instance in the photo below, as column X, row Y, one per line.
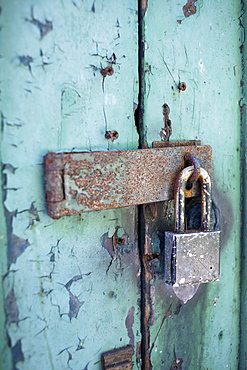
column 189, row 8
column 83, row 182
column 113, row 135
column 172, row 144
column 107, row 71
column 115, row 244
column 144, row 5
column 44, row 28
column 54, row 178
column 194, row 162
column 138, row 355
column 166, row 132
column 182, row 86
column 146, row 276
column 151, row 211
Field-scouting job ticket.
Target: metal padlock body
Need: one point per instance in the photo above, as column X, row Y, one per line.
column 192, row 257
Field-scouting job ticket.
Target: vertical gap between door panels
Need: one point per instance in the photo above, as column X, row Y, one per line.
column 243, row 205
column 141, row 129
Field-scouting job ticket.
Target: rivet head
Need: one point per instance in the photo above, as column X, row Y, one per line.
column 182, row 86
column 108, row 71
column 113, row 135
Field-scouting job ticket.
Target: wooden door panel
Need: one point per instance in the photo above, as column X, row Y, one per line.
column 70, row 294
column 202, row 51
column 71, row 286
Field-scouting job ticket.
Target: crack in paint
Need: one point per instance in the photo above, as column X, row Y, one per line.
column 42, row 59
column 167, row 314
column 33, row 211
column 44, row 28
column 44, row 328
column 168, row 69
column 52, row 253
column 74, row 303
column 86, row 367
column 80, row 344
column 115, row 244
column 70, row 357
column 9, row 167
column 26, row 61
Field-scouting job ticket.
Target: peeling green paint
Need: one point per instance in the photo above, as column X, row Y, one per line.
column 202, row 51
column 243, row 273
column 58, row 284
column 70, row 287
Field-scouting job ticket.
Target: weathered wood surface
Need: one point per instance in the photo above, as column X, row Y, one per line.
column 71, row 285
column 201, row 50
column 243, row 285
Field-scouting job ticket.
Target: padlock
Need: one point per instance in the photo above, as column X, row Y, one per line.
column 192, row 257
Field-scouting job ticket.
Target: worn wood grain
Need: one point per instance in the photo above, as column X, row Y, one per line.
column 201, row 50
column 71, row 295
column 71, row 286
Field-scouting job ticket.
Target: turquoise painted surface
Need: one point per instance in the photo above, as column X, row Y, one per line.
column 67, row 299
column 64, row 294
column 243, row 317
column 202, row 51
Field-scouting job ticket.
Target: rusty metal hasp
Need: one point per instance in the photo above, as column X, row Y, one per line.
column 118, row 359
column 93, row 181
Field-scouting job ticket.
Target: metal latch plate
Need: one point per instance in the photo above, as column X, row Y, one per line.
column 120, row 358
column 93, row 181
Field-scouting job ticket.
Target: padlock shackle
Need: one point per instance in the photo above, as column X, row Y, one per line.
column 206, row 199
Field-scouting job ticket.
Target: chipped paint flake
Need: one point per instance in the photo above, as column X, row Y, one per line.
column 189, row 8
column 129, row 321
column 44, row 28
column 11, row 308
column 74, row 306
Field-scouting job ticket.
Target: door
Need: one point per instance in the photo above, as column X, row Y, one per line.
column 73, row 74
column 193, row 44
column 70, row 293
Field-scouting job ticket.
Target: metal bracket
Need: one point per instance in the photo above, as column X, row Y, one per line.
column 93, row 181
column 118, row 359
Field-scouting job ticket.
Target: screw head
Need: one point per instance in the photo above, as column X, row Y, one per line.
column 113, row 135
column 182, row 86
column 107, row 71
